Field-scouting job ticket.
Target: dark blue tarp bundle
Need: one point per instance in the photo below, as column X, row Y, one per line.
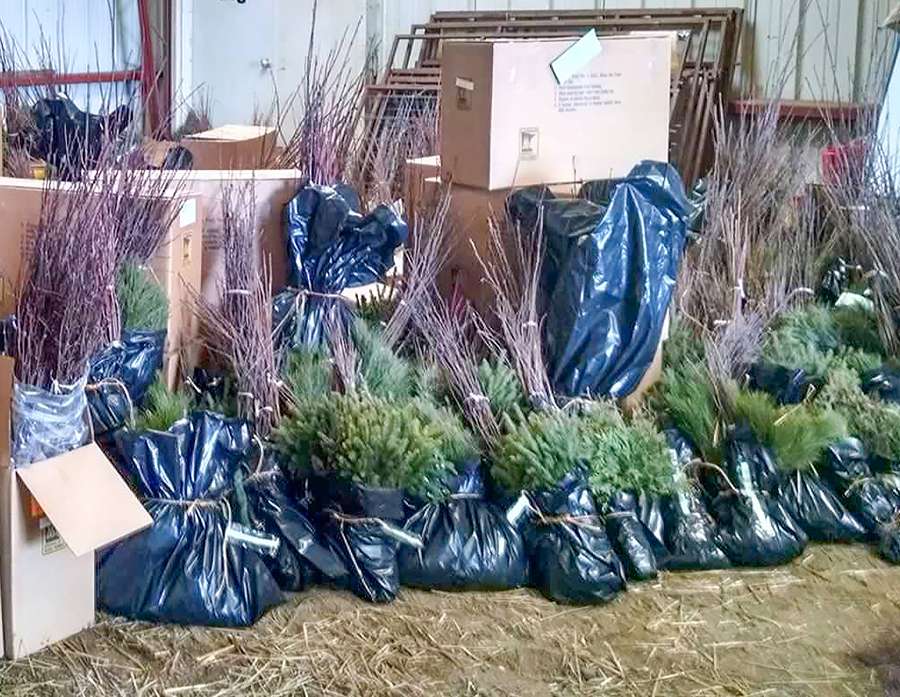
column 120, row 375
column 467, row 542
column 608, row 277
column 194, row 564
column 331, row 247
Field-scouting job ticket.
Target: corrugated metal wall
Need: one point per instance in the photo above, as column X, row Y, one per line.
column 821, row 47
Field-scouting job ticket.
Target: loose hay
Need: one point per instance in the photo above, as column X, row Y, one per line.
column 827, row 624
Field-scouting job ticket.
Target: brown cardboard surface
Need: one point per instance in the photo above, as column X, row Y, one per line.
column 177, row 261
column 272, row 190
column 417, row 171
column 506, row 122
column 231, row 147
column 85, row 499
column 47, row 591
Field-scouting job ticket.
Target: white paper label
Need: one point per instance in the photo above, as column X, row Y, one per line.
column 51, row 542
column 188, row 214
column 465, row 84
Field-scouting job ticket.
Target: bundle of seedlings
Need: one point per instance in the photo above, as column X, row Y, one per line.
column 384, row 445
column 323, row 141
column 331, row 247
column 558, row 456
column 752, row 214
column 862, row 207
column 185, row 476
column 753, row 526
column 145, row 206
column 810, row 341
column 798, row 437
column 214, row 495
column 61, row 320
column 862, row 469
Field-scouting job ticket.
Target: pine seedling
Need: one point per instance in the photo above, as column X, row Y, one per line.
column 162, row 408
column 307, row 372
column 382, row 371
column 686, row 396
column 874, row 422
column 798, row 435
column 501, row 386
column 537, row 451
column 142, row 301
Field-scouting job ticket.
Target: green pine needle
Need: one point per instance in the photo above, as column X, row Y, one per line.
column 142, row 300
column 501, row 386
column 685, row 395
column 874, row 422
column 383, row 373
column 798, row 435
column 307, row 373
column 162, row 408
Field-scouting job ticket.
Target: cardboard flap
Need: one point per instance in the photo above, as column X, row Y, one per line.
column 233, row 132
column 85, row 498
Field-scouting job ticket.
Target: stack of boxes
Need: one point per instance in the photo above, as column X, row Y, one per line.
column 553, row 112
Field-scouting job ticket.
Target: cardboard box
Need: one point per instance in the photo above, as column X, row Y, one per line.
column 417, row 171
column 232, row 147
column 272, row 188
column 177, row 262
column 506, row 121
column 470, row 212
column 47, row 565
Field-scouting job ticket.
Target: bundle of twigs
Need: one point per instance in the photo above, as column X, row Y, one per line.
column 751, row 218
column 512, row 270
column 449, row 331
column 424, row 258
column 411, row 131
column 322, row 144
column 238, row 329
column 68, row 288
column 864, row 212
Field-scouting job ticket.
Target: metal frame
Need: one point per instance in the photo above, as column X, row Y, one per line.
column 708, row 59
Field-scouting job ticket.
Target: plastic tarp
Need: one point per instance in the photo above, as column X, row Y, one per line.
column 303, row 557
column 754, row 527
column 331, row 247
column 467, row 542
column 631, row 540
column 47, row 423
column 195, row 564
column 120, row 375
column 364, row 527
column 608, row 278
column 570, row 555
column 687, row 528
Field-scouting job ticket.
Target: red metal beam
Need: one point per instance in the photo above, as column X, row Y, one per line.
column 150, row 89
column 31, row 78
column 795, row 109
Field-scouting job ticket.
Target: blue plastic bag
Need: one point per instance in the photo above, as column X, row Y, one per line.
column 331, row 247
column 195, row 564
column 609, row 274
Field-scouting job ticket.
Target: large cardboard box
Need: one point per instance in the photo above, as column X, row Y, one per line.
column 470, row 212
column 47, row 564
column 232, row 147
column 507, row 122
column 176, row 264
column 272, row 189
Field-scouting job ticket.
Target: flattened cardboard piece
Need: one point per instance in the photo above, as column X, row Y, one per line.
column 85, row 498
column 517, row 126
